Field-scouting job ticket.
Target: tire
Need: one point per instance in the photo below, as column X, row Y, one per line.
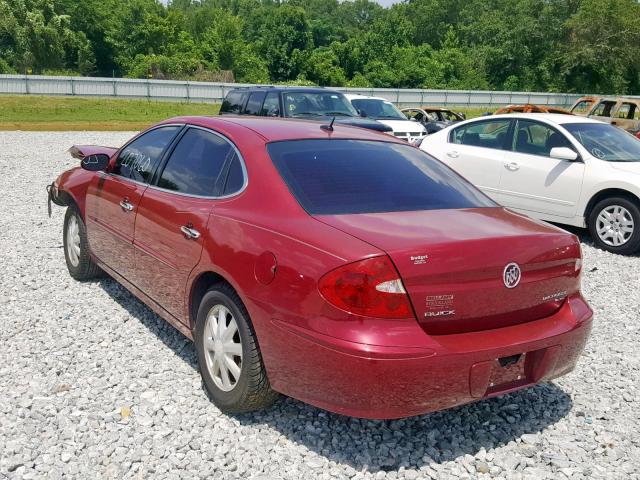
column 614, row 225
column 247, row 387
column 76, row 252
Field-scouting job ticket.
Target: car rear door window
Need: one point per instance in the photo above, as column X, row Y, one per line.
column 234, row 102
column 331, row 177
column 271, row 106
column 254, row 105
column 139, row 159
column 235, row 176
column 195, row 164
column 487, row 134
column 535, row 138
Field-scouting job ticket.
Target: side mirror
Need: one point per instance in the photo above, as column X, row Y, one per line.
column 362, row 113
column 563, row 153
column 463, row 115
column 95, row 163
column 413, row 120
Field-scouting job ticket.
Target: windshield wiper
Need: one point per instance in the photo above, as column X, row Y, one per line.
column 339, row 113
column 299, row 114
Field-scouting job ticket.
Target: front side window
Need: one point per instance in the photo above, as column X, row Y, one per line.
column 304, row 104
column 139, row 159
column 378, row 109
column 603, row 109
column 271, row 106
column 535, row 138
column 196, row 163
column 583, row 107
column 487, row 134
column 334, row 177
column 415, row 115
column 606, row 142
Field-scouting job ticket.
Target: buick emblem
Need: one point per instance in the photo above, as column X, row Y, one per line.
column 511, row 275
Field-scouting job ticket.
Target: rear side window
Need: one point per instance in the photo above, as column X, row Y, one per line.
column 332, row 177
column 234, row 102
column 195, row 164
column 626, row 111
column 254, row 104
column 139, row 159
column 271, row 107
column 488, row 134
column 235, row 177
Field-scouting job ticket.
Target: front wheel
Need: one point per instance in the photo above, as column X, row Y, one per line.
column 614, row 224
column 228, row 355
column 76, row 247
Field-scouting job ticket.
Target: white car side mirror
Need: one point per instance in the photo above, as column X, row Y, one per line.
column 563, row 153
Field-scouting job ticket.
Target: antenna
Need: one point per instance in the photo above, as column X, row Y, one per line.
column 328, row 128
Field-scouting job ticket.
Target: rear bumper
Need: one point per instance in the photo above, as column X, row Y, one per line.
column 384, row 382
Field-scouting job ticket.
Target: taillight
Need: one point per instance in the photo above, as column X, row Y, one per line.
column 370, row 287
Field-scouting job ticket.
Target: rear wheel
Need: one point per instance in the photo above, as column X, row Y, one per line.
column 230, row 363
column 76, row 247
column 614, row 224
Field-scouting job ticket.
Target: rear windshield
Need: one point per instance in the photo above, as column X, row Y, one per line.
column 332, row 177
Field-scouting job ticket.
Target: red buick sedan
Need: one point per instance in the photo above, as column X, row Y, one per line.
column 337, row 265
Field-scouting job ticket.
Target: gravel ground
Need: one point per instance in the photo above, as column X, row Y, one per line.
column 95, row 385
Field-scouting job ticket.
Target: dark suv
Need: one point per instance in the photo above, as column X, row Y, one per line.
column 296, row 102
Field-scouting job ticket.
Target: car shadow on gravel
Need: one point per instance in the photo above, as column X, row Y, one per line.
column 435, row 438
column 382, row 445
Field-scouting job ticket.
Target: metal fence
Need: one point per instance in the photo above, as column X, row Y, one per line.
column 182, row 91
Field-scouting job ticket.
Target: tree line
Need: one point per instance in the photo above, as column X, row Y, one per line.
column 527, row 45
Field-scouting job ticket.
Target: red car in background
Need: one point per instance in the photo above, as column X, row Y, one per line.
column 335, row 265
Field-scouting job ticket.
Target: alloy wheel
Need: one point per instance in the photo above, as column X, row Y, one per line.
column 223, row 348
column 73, row 241
column 615, row 225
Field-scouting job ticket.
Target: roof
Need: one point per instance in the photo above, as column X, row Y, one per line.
column 273, row 129
column 355, row 96
column 433, row 108
column 556, row 118
column 285, row 88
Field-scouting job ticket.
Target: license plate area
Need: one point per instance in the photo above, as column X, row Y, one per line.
column 508, row 372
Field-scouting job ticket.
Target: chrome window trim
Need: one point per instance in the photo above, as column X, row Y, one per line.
column 245, row 174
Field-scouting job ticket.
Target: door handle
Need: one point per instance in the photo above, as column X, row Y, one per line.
column 125, row 205
column 453, row 154
column 614, row 123
column 190, row 232
column 513, row 166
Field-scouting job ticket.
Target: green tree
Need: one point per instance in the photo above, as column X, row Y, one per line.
column 284, row 41
column 602, row 52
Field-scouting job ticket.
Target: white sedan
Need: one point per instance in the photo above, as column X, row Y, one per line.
column 385, row 112
column 560, row 168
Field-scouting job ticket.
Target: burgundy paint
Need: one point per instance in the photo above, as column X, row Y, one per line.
column 359, row 366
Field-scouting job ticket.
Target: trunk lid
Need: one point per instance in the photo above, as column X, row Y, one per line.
column 82, row 151
column 452, row 264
